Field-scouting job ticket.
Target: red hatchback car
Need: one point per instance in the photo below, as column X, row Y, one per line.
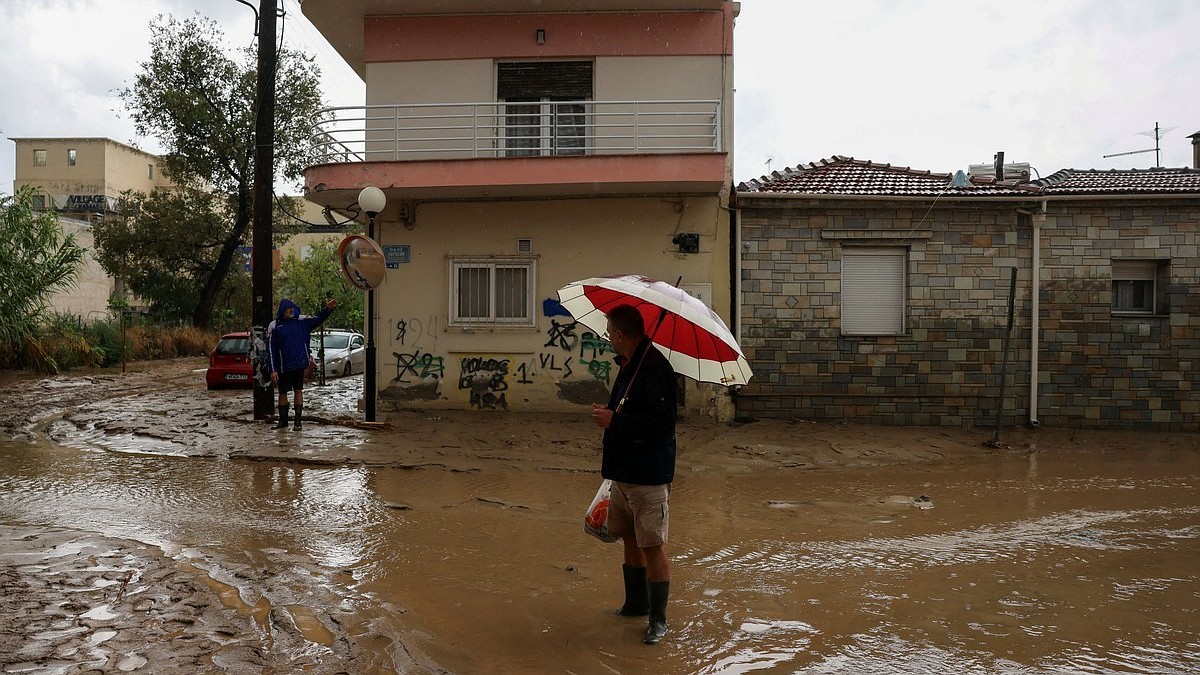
column 229, row 362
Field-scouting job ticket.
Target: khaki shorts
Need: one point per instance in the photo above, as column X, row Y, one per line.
column 642, row 509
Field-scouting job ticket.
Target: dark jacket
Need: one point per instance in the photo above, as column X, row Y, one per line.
column 287, row 339
column 639, row 445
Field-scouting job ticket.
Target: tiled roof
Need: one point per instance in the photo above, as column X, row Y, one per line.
column 848, row 176
column 1121, row 181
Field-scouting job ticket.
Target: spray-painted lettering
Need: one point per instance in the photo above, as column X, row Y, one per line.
column 562, row 335
column 485, row 378
column 598, row 346
column 549, row 362
column 418, row 365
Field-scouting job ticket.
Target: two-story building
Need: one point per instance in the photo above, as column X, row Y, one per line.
column 521, row 146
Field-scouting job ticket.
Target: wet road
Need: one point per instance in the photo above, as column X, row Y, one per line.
column 1035, row 563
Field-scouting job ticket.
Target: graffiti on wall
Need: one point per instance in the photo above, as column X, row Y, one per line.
column 592, row 349
column 418, row 365
column 562, row 335
column 486, row 379
column 574, row 358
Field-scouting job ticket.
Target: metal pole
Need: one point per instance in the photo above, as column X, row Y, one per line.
column 264, row 177
column 1012, row 291
column 124, row 342
column 369, row 375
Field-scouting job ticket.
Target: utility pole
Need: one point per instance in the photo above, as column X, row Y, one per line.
column 264, row 178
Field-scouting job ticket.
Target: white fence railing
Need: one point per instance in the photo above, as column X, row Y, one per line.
column 404, row 132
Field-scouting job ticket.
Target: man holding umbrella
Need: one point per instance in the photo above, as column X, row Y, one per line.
column 639, row 457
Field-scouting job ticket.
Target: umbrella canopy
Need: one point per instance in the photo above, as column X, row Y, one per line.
column 692, row 336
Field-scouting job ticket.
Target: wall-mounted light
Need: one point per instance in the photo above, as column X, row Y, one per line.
column 541, row 36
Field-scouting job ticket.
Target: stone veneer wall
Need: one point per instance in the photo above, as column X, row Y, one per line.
column 1096, row 370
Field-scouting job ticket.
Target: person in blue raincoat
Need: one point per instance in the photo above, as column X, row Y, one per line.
column 288, row 354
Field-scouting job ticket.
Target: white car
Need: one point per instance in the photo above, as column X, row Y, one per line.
column 345, row 352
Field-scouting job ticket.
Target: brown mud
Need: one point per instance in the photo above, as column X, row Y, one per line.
column 149, row 524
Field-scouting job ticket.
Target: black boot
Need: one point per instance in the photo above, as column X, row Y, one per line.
column 282, row 422
column 299, row 408
column 659, row 590
column 637, row 597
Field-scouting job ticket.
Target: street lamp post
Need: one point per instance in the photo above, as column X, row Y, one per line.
column 371, row 200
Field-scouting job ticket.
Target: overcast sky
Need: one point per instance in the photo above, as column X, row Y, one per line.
column 932, row 84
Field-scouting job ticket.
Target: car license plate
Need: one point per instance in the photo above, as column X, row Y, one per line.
column 236, row 376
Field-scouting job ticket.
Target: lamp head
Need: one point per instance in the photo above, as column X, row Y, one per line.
column 372, row 200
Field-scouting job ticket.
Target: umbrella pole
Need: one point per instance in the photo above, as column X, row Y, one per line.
column 662, row 316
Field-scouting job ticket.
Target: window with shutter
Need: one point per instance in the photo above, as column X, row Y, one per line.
column 1136, row 288
column 873, row 291
column 545, row 111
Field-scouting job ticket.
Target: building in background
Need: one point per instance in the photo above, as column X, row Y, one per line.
column 82, row 179
column 522, row 146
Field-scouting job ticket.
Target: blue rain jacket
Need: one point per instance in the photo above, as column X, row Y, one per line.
column 287, row 339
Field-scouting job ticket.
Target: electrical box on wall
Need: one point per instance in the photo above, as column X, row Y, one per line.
column 702, row 292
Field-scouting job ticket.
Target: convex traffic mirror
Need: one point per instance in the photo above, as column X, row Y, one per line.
column 362, row 262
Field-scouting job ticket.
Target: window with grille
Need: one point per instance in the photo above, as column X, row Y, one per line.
column 39, row 157
column 545, row 109
column 874, row 290
column 1137, row 286
column 492, row 291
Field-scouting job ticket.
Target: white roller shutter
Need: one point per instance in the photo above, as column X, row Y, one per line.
column 873, row 291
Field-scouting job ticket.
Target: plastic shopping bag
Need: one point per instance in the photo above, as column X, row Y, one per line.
column 595, row 521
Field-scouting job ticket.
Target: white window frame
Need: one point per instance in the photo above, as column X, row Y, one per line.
column 1135, row 271
column 492, row 263
column 868, row 309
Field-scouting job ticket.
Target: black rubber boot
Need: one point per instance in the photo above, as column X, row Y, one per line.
column 282, row 422
column 659, row 590
column 297, row 426
column 637, row 596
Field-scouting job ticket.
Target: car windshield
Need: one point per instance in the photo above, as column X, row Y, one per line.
column 233, row 346
column 331, row 341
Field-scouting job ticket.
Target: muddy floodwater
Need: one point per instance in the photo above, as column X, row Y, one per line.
column 149, row 524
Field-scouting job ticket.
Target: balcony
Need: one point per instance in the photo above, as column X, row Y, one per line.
column 506, row 149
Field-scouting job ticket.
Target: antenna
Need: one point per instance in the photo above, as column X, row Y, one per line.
column 770, row 158
column 1158, row 134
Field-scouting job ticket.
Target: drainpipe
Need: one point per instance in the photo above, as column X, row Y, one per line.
column 735, row 265
column 1038, row 220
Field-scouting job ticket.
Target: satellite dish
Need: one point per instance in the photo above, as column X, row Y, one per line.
column 362, row 262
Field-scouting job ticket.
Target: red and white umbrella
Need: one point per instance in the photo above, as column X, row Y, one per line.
column 694, row 339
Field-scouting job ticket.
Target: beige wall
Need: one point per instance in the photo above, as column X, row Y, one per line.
column 571, row 240
column 88, row 298
column 102, row 166
column 460, row 81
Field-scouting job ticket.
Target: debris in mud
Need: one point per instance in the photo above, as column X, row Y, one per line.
column 501, row 503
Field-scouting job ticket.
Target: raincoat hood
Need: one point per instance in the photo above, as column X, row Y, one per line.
column 284, row 304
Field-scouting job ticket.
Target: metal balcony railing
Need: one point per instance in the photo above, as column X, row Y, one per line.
column 406, row 132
